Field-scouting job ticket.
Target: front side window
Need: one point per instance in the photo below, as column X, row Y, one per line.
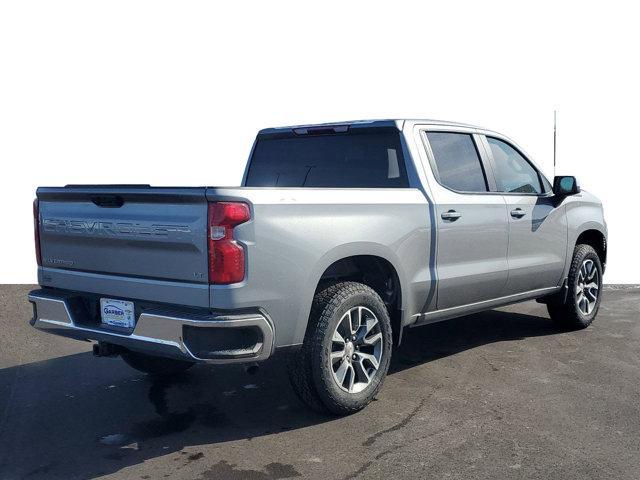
column 457, row 161
column 514, row 174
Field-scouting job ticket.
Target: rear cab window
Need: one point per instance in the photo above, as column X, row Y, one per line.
column 353, row 158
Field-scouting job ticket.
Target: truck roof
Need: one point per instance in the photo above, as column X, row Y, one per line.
column 390, row 122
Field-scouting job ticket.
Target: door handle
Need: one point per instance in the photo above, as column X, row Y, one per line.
column 451, row 215
column 518, row 213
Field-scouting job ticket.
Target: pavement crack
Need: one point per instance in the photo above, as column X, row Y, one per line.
column 360, row 471
column 401, row 424
column 490, row 363
column 365, row 466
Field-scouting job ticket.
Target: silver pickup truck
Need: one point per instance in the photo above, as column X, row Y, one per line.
column 342, row 238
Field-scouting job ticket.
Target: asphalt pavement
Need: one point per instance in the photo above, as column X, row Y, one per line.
column 502, row 394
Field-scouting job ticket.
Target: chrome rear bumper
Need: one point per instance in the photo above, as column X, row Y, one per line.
column 155, row 333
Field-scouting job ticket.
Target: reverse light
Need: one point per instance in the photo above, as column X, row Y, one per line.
column 36, row 230
column 226, row 256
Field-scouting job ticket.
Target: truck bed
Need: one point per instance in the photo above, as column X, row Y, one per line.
column 150, row 244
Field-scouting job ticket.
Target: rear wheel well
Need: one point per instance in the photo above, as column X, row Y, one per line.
column 377, row 273
column 597, row 240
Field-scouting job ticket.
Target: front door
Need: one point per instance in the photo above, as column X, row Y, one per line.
column 471, row 223
column 537, row 226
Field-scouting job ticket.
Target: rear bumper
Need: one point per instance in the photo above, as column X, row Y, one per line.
column 246, row 337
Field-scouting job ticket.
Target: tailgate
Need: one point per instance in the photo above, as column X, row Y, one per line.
column 133, row 231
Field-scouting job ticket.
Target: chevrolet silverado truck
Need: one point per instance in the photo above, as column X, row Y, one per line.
column 341, row 239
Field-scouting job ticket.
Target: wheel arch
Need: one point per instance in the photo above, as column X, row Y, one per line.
column 596, row 239
column 373, row 265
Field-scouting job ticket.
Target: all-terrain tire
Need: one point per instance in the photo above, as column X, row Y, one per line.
column 568, row 312
column 157, row 366
column 311, row 367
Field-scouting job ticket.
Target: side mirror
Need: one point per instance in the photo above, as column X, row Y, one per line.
column 563, row 186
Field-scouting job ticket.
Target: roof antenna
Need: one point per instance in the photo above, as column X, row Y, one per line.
column 554, row 143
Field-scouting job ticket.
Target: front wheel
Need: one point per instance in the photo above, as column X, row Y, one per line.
column 584, row 290
column 346, row 352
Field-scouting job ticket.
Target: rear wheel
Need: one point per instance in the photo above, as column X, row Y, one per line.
column 158, row 366
column 346, row 352
column 584, row 290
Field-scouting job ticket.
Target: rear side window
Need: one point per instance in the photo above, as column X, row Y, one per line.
column 457, row 161
column 514, row 174
column 358, row 159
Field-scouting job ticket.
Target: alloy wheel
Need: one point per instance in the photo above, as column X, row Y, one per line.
column 356, row 349
column 587, row 287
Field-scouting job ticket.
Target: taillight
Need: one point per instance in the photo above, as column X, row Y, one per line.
column 226, row 256
column 36, row 230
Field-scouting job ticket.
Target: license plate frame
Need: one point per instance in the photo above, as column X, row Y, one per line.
column 117, row 313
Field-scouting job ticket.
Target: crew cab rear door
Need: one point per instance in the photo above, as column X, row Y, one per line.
column 471, row 222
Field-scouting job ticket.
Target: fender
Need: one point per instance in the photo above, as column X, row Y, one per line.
column 338, row 253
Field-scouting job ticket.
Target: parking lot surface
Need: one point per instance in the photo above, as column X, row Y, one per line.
column 502, row 394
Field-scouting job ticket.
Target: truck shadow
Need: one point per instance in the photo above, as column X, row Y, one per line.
column 431, row 342
column 80, row 417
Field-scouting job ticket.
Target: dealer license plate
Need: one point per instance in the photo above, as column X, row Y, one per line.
column 117, row 313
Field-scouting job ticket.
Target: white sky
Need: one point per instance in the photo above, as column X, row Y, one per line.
column 172, row 93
